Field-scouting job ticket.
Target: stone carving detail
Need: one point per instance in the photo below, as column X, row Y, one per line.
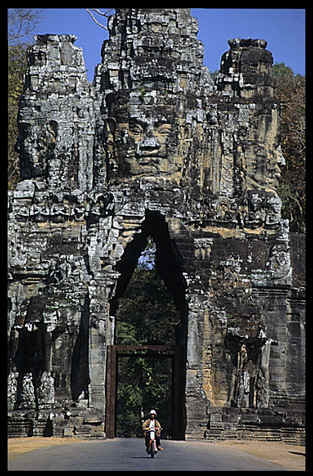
column 152, row 148
column 46, row 391
column 12, row 390
column 249, row 386
column 279, row 262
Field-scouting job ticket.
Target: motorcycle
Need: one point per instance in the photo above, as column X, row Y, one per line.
column 152, row 446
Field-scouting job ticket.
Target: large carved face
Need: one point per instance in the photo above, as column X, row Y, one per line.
column 263, row 166
column 264, row 157
column 143, row 146
column 145, row 140
column 35, row 146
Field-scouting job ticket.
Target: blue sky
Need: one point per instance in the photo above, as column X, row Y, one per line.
column 282, row 28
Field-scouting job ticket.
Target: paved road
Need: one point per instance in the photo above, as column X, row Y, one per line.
column 128, row 455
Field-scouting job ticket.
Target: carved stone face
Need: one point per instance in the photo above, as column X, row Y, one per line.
column 263, row 167
column 35, row 146
column 264, row 164
column 277, row 162
column 143, row 146
column 144, row 141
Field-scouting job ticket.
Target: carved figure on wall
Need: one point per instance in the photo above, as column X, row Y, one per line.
column 249, row 382
column 263, row 375
column 46, row 390
column 241, row 394
column 29, row 362
column 25, row 391
column 279, row 263
column 12, row 389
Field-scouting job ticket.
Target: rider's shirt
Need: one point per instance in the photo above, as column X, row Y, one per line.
column 146, row 425
column 152, row 425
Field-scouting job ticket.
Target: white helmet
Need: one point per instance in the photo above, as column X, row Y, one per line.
column 152, row 412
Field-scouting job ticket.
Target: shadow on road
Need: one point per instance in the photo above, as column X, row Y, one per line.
column 140, row 457
column 296, row 453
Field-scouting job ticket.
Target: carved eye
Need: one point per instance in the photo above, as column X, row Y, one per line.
column 135, row 129
column 164, row 129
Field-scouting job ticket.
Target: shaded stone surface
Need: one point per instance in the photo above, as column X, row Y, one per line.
column 153, row 148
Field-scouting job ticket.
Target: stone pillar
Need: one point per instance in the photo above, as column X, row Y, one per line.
column 97, row 357
column 196, row 401
column 100, row 335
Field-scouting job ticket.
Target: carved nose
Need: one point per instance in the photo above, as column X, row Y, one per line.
column 149, row 141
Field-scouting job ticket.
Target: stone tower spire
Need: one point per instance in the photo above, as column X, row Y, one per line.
column 56, row 125
column 246, row 69
column 151, row 45
column 150, row 82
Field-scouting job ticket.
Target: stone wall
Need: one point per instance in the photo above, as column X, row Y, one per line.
column 152, row 148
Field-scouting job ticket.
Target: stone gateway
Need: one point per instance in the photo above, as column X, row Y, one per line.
column 153, row 148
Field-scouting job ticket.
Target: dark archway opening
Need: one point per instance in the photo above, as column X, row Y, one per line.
column 172, row 410
column 144, row 381
column 168, row 262
column 150, row 310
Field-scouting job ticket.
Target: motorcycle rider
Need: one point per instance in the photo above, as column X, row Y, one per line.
column 152, row 424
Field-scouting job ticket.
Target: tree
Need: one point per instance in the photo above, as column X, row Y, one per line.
column 16, row 69
column 290, row 91
column 157, row 324
column 21, row 23
column 94, row 14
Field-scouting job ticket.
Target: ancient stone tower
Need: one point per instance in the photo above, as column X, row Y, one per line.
column 152, row 148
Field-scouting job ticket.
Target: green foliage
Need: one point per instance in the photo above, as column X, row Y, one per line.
column 16, row 69
column 21, row 23
column 146, row 315
column 144, row 382
column 290, row 90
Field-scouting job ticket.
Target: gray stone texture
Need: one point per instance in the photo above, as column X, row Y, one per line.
column 153, row 147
